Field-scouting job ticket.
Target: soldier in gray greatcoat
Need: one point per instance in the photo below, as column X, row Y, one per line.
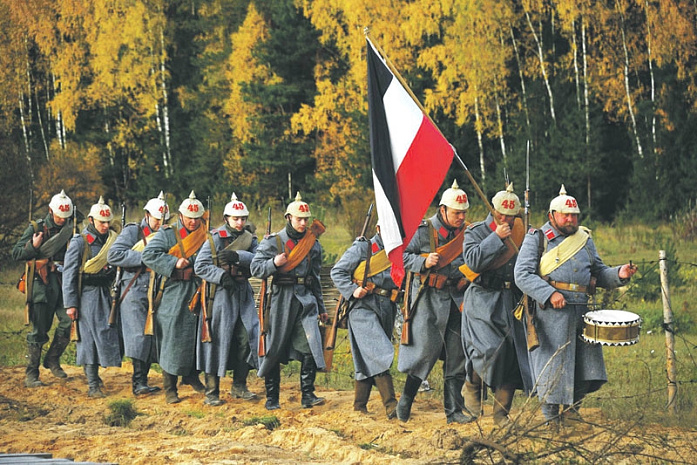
column 493, row 338
column 176, row 327
column 560, row 289
column 371, row 318
column 127, row 253
column 291, row 326
column 234, row 325
column 87, row 279
column 44, row 242
column 436, row 321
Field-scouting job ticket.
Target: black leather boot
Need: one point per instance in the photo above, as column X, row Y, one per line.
column 144, row 379
column 192, row 379
column 386, row 388
column 362, row 394
column 411, row 387
column 213, row 391
column 52, row 357
column 170, row 384
column 32, row 371
column 272, row 382
column 308, row 372
column 138, row 386
column 453, row 401
column 503, row 399
column 92, row 374
column 239, row 390
column 473, row 395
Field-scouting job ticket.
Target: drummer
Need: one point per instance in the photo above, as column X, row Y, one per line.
column 558, row 266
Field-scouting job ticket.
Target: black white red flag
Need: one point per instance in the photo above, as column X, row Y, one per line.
column 410, row 159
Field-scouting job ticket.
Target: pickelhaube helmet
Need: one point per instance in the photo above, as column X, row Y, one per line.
column 564, row 203
column 61, row 205
column 192, row 207
column 298, row 208
column 506, row 202
column 455, row 198
column 101, row 211
column 157, row 207
column 235, row 207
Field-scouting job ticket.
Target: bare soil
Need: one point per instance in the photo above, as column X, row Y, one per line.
column 60, row 419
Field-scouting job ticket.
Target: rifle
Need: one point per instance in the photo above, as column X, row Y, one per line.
column 532, row 340
column 207, row 289
column 342, row 307
column 74, row 330
column 264, row 301
column 149, row 328
column 115, row 294
column 410, row 310
column 29, row 270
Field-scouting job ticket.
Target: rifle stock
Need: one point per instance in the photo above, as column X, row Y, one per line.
column 207, row 289
column 410, row 310
column 115, row 288
column 149, row 328
column 264, row 301
column 29, row 269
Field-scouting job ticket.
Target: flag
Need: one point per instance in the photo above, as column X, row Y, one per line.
column 410, row 159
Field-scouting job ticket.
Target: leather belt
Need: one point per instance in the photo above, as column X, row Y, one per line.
column 292, row 280
column 393, row 294
column 493, row 283
column 182, row 275
column 441, row 281
column 573, row 287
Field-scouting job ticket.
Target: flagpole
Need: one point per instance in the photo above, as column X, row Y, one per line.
column 399, row 77
column 401, row 80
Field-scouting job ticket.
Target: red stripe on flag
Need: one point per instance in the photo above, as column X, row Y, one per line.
column 397, row 258
column 421, row 174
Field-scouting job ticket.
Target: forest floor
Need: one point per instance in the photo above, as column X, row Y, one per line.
column 60, row 419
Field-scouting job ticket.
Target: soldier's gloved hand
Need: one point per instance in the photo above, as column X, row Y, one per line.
column 227, row 282
column 228, row 257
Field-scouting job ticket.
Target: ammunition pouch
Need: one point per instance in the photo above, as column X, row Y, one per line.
column 441, row 281
column 185, row 274
column 287, row 280
column 395, row 295
column 239, row 275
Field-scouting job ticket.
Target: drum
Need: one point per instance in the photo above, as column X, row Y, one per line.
column 611, row 327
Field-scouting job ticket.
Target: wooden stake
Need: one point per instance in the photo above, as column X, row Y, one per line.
column 670, row 339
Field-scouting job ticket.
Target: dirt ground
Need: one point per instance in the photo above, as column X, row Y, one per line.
column 60, row 419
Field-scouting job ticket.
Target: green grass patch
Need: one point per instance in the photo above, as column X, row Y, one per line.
column 122, row 412
column 195, row 413
column 271, row 422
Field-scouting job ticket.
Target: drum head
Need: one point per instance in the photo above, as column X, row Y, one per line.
column 611, row 327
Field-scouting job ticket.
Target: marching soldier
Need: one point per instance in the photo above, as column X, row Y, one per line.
column 44, row 242
column 294, row 258
column 87, row 279
column 557, row 266
column 433, row 256
column 493, row 339
column 127, row 253
column 223, row 262
column 172, row 254
column 371, row 318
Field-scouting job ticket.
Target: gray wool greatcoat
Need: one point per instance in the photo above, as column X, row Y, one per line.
column 133, row 310
column 99, row 343
column 176, row 328
column 371, row 318
column 578, row 362
column 493, row 338
column 291, row 306
column 437, row 320
column 229, row 308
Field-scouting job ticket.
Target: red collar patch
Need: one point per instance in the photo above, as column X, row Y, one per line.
column 550, row 234
column 147, row 231
column 290, row 244
column 90, row 238
column 443, row 232
column 493, row 225
column 183, row 233
column 375, row 247
column 223, row 232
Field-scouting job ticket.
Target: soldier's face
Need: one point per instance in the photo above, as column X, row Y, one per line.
column 566, row 223
column 454, row 218
column 153, row 222
column 191, row 224
column 57, row 220
column 101, row 226
column 299, row 224
column 237, row 222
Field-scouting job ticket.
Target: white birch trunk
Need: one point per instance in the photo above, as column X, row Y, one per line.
column 23, row 122
column 522, row 80
column 653, row 82
column 540, row 57
column 576, row 72
column 167, row 156
column 630, row 105
column 482, row 169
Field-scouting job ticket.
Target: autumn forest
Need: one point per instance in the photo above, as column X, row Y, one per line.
column 129, row 97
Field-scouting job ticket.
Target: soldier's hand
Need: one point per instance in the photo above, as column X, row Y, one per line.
column 280, row 260
column 37, row 239
column 503, row 230
column 182, row 263
column 323, row 317
column 432, row 260
column 72, row 313
column 557, row 300
column 360, row 292
column 627, row 271
column 228, row 257
column 227, row 282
